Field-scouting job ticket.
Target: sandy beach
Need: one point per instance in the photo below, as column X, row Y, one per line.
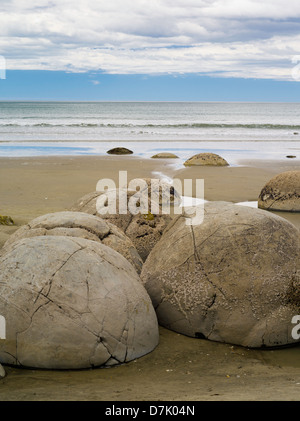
column 180, row 368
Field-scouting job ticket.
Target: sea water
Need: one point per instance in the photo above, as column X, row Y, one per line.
column 234, row 130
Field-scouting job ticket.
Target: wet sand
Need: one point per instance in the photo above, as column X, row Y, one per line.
column 180, row 368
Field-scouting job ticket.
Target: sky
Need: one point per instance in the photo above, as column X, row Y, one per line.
column 199, row 50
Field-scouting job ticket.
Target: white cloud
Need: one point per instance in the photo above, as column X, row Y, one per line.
column 240, row 38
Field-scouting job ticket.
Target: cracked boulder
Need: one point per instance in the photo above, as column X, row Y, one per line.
column 235, row 278
column 82, row 225
column 72, row 303
column 281, row 193
column 144, row 228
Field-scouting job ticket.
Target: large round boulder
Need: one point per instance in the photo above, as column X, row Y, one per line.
column 234, row 278
column 144, row 228
column 206, row 159
column 281, row 193
column 72, row 303
column 82, row 225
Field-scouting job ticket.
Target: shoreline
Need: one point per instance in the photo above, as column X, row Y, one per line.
column 234, row 151
column 180, row 368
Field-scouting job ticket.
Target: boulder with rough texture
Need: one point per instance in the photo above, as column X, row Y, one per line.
column 206, row 158
column 281, row 193
column 119, row 151
column 2, row 372
column 72, row 303
column 144, row 229
column 235, row 278
column 165, row 155
column 82, row 225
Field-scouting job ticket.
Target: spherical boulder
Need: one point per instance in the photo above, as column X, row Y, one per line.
column 72, row 303
column 281, row 193
column 235, row 278
column 164, row 155
column 82, row 225
column 206, row 159
column 119, row 151
column 144, row 229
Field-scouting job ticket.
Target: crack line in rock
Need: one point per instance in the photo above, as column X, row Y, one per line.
column 198, row 261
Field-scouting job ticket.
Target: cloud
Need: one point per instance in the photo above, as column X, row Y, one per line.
column 244, row 38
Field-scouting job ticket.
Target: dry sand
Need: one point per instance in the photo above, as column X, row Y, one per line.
column 180, row 368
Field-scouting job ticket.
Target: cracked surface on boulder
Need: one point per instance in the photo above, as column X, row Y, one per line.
column 143, row 230
column 82, row 225
column 281, row 193
column 72, row 303
column 235, row 278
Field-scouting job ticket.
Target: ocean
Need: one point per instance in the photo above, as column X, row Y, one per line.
column 235, row 130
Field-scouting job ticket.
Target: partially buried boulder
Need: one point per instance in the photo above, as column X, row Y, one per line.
column 119, row 151
column 281, row 193
column 71, row 303
column 82, row 225
column 164, row 155
column 206, row 159
column 144, row 229
column 235, row 278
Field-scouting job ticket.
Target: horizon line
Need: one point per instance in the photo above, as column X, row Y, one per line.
column 147, row 101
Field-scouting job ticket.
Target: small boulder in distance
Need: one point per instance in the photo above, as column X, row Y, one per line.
column 119, row 151
column 165, row 155
column 206, row 159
